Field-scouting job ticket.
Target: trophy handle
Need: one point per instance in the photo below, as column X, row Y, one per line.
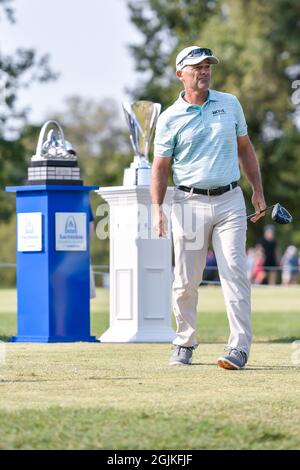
column 157, row 107
column 132, row 124
column 42, row 135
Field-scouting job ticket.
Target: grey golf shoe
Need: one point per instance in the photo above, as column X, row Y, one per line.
column 234, row 360
column 182, row 356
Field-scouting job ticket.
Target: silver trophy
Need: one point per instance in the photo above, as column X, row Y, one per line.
column 55, row 160
column 141, row 117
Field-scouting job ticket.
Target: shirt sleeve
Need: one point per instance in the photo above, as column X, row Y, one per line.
column 240, row 124
column 164, row 141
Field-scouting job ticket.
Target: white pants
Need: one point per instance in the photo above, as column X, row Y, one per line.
column 196, row 221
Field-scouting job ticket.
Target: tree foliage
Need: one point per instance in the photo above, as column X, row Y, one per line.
column 259, row 48
column 17, row 71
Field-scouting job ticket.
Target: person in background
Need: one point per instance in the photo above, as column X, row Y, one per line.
column 290, row 266
column 269, row 245
column 258, row 274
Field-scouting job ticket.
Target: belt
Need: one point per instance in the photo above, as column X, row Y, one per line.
column 209, row 192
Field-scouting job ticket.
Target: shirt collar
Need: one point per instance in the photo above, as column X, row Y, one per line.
column 187, row 106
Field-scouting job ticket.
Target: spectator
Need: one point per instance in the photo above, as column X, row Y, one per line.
column 258, row 274
column 290, row 266
column 269, row 245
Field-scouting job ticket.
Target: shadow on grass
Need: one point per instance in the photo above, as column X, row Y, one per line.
column 5, row 338
column 22, row 380
column 247, row 368
column 287, row 339
column 284, row 339
column 272, row 368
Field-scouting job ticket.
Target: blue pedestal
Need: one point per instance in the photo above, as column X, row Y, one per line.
column 53, row 284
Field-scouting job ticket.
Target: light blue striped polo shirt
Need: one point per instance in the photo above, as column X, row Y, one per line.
column 202, row 140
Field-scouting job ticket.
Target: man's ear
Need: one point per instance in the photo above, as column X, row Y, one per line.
column 179, row 74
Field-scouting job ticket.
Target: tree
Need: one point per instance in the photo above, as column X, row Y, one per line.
column 16, row 71
column 259, row 54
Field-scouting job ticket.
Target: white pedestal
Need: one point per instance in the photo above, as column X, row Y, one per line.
column 140, row 268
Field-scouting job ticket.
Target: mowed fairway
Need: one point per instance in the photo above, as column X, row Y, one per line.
column 125, row 396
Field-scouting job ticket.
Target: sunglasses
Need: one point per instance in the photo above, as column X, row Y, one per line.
column 196, row 53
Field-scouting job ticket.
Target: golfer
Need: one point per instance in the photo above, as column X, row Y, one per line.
column 204, row 136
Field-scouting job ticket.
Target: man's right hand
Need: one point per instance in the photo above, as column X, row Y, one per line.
column 259, row 204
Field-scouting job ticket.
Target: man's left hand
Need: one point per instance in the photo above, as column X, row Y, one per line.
column 259, row 204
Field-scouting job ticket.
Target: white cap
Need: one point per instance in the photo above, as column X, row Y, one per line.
column 194, row 55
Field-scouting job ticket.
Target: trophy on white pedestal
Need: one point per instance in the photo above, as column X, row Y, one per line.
column 140, row 262
column 141, row 117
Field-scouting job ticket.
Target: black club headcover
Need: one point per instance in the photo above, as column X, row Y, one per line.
column 281, row 215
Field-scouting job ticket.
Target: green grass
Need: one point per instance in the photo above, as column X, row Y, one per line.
column 276, row 314
column 125, row 396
